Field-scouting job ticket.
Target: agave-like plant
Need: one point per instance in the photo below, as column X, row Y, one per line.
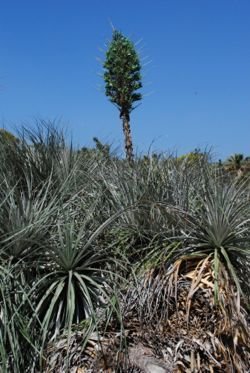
column 76, row 278
column 26, row 218
column 220, row 228
column 41, row 152
column 19, row 345
column 201, row 287
column 151, row 183
column 217, row 225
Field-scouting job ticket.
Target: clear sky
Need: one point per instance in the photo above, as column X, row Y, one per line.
column 197, row 86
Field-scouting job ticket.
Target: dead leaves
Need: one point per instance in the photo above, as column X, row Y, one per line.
column 186, row 329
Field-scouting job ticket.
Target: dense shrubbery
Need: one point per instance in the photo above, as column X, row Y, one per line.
column 91, row 243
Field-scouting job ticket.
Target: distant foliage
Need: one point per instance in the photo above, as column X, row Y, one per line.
column 7, row 137
column 193, row 157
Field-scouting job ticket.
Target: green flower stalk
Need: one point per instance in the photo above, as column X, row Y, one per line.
column 122, row 81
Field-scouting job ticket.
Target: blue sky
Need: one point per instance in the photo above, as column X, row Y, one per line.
column 196, row 87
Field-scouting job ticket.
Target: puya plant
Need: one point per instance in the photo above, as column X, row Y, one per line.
column 122, row 76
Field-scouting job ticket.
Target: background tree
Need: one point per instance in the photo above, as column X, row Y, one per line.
column 8, row 137
column 122, row 81
column 235, row 163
